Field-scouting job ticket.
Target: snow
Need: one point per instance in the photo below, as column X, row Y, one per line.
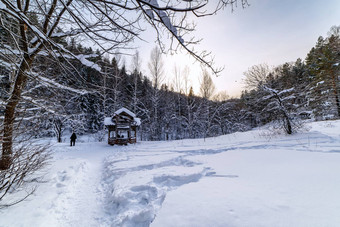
column 270, row 89
column 253, row 178
column 165, row 19
column 108, row 121
column 2, row 5
column 121, row 110
column 81, row 57
column 289, row 97
column 319, row 83
column 286, row 91
column 9, row 51
column 5, row 64
column 48, row 82
column 150, row 13
column 84, row 61
column 137, row 120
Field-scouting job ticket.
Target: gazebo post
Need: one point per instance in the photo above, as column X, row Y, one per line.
column 135, row 134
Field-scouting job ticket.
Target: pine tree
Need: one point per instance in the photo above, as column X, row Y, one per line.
column 322, row 62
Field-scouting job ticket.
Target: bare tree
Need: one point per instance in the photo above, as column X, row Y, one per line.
column 277, row 103
column 191, row 118
column 136, row 65
column 207, row 87
column 156, row 67
column 178, row 86
column 256, row 76
column 26, row 160
column 117, row 81
column 186, row 82
column 207, row 90
column 58, row 127
column 220, row 96
column 177, row 80
column 280, row 105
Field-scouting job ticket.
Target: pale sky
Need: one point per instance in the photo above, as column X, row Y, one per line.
column 268, row 31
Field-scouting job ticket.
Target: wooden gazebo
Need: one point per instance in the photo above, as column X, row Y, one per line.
column 122, row 127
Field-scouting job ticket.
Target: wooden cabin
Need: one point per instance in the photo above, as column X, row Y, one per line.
column 122, row 127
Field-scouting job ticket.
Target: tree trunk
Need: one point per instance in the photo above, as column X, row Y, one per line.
column 288, row 125
column 18, row 86
column 335, row 90
column 59, row 138
column 337, row 101
column 58, row 126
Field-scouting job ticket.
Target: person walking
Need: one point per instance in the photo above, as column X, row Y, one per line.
column 73, row 139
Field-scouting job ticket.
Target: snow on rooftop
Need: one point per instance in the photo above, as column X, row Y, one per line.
column 108, row 121
column 121, row 110
column 137, row 120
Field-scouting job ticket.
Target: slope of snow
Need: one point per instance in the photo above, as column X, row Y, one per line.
column 253, row 178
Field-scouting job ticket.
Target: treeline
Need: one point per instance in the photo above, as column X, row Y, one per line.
column 77, row 92
column 298, row 90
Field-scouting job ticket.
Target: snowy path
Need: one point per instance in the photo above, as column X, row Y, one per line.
column 242, row 179
column 72, row 193
column 80, row 200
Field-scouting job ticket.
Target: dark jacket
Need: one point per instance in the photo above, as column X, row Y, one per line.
column 73, row 137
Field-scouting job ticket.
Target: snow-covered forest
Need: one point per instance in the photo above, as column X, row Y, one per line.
column 63, row 70
column 79, row 96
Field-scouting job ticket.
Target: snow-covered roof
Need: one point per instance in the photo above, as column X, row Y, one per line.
column 108, row 121
column 137, row 120
column 121, row 110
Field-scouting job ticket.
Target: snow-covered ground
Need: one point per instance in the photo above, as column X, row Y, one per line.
column 243, row 179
